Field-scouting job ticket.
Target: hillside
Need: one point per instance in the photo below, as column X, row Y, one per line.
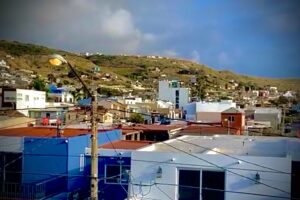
column 126, row 71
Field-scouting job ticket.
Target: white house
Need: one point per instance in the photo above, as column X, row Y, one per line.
column 130, row 100
column 271, row 115
column 171, row 91
column 22, row 100
column 62, row 95
column 207, row 111
column 217, row 167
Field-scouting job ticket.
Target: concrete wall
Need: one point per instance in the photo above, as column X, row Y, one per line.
column 11, row 144
column 274, row 118
column 169, row 94
column 16, row 122
column 30, row 99
column 208, row 116
column 144, row 166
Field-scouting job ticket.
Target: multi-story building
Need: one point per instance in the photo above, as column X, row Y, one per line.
column 171, row 91
column 207, row 111
column 22, row 100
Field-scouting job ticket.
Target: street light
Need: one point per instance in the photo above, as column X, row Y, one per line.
column 58, row 60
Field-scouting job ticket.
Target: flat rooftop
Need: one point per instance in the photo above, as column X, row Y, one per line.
column 206, row 130
column 126, row 144
column 229, row 144
column 153, row 127
column 44, row 132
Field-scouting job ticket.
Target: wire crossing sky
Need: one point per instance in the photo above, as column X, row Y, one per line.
column 252, row 37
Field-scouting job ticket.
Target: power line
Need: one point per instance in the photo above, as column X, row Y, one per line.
column 230, row 156
column 211, row 163
column 210, row 149
column 199, row 165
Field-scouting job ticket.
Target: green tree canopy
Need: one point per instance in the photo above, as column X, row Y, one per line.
column 136, row 118
column 38, row 84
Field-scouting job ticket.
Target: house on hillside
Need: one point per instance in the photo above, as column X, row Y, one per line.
column 22, row 100
column 207, row 111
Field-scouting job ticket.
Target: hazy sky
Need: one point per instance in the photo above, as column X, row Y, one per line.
column 254, row 37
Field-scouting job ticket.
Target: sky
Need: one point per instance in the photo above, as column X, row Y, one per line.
column 251, row 37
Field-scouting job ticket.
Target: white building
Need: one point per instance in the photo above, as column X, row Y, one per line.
column 130, row 100
column 271, row 115
column 21, row 99
column 207, row 111
column 218, row 167
column 171, row 91
column 63, row 96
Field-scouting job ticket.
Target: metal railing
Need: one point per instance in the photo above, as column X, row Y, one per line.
column 35, row 191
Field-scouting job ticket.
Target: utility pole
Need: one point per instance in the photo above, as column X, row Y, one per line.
column 57, row 60
column 94, row 149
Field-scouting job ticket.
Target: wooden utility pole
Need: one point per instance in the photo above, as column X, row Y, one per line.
column 94, row 149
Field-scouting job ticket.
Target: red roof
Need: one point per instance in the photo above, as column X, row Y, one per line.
column 126, row 144
column 43, row 132
column 128, row 132
column 206, row 130
column 152, row 127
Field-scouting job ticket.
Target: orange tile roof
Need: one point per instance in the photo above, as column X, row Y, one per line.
column 126, row 144
column 128, row 132
column 41, row 132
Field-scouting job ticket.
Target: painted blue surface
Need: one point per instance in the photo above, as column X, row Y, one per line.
column 85, row 102
column 76, row 162
column 44, row 158
column 108, row 191
column 55, row 162
column 107, row 136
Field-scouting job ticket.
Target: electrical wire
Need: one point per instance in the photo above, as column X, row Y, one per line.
column 243, row 160
column 222, row 168
column 227, row 170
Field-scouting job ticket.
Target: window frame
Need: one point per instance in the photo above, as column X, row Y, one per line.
column 106, row 178
column 201, row 176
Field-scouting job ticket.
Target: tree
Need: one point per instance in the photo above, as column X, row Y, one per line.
column 136, row 118
column 38, row 84
column 282, row 100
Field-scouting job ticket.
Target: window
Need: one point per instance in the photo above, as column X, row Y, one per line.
column 231, row 118
column 26, row 97
column 177, row 99
column 204, row 185
column 116, row 174
column 189, row 188
column 81, row 162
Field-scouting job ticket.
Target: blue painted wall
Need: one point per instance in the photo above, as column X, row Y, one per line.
column 56, row 161
column 108, row 191
column 44, row 158
column 45, row 165
column 77, row 180
column 113, row 135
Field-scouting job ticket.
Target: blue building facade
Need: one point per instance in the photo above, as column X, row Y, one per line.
column 54, row 168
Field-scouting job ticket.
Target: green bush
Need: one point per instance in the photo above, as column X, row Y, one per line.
column 136, row 118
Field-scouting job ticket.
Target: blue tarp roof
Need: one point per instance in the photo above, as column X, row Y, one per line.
column 85, row 102
column 54, row 89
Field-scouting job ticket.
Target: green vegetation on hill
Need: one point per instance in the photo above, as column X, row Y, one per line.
column 129, row 70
